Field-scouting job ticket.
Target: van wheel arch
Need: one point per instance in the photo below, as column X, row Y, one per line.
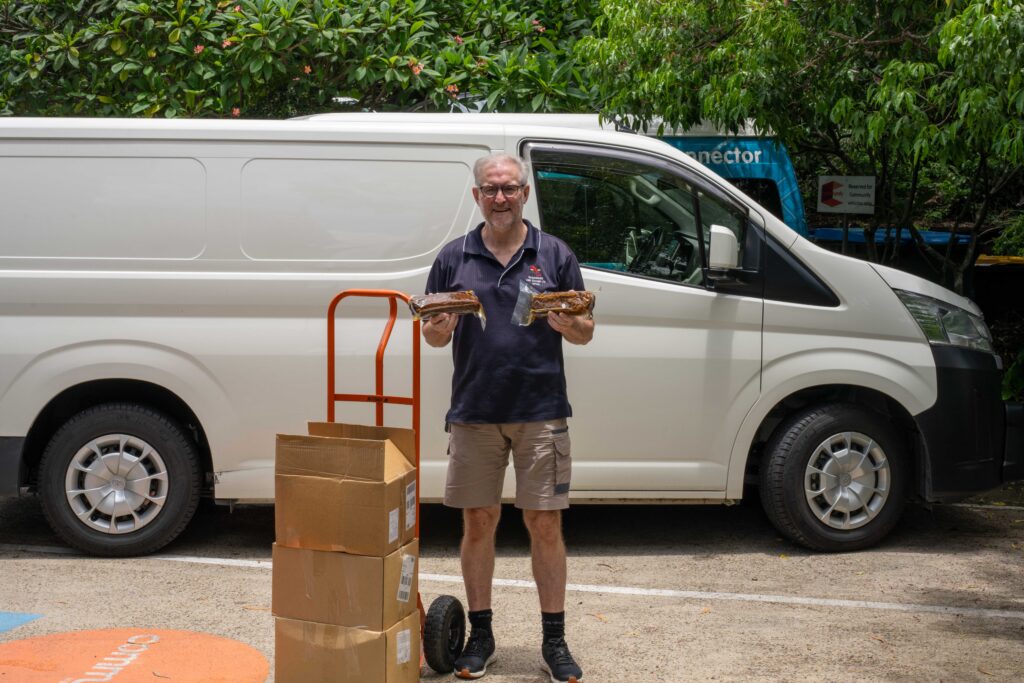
column 837, row 393
column 80, row 397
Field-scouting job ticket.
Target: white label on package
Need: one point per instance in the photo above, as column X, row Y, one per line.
column 404, row 639
column 393, row 526
column 410, row 505
column 405, row 580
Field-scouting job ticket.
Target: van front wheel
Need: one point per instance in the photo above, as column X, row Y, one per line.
column 833, row 478
column 119, row 479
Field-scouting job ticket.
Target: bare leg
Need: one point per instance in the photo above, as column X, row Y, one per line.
column 479, row 527
column 547, row 549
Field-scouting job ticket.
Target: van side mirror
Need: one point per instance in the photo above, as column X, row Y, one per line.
column 723, row 254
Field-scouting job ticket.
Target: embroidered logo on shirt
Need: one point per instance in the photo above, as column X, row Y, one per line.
column 535, row 277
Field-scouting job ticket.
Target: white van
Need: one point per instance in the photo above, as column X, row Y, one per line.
column 163, row 296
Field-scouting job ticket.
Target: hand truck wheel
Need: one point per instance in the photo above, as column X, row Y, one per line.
column 444, row 633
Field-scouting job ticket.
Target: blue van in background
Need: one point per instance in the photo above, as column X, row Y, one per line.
column 758, row 166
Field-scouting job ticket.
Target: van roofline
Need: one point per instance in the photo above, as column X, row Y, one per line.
column 315, row 127
column 490, row 130
column 47, row 126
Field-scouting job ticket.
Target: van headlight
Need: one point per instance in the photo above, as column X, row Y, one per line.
column 944, row 323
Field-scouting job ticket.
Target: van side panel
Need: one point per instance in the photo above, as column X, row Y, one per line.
column 333, row 209
column 219, row 290
column 104, row 207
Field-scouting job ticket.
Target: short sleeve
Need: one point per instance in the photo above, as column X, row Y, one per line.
column 437, row 280
column 571, row 276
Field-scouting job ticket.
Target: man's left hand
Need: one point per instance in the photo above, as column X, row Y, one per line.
column 576, row 329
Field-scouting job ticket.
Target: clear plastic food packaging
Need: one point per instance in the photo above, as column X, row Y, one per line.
column 532, row 304
column 426, row 306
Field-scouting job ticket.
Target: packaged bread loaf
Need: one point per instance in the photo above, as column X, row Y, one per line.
column 532, row 304
column 426, row 306
column 571, row 303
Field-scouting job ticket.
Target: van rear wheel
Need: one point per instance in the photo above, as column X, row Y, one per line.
column 833, row 478
column 119, row 479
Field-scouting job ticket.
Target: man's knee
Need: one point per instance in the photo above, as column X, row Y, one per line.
column 544, row 525
column 480, row 523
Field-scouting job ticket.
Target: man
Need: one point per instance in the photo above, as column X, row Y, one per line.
column 508, row 393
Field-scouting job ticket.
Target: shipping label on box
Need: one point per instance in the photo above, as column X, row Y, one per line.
column 308, row 652
column 358, row 591
column 344, row 494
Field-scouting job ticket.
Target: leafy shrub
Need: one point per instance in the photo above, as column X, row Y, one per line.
column 279, row 58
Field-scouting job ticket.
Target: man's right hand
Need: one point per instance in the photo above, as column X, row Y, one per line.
column 437, row 330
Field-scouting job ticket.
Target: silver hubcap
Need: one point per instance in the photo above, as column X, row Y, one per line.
column 116, row 483
column 847, row 480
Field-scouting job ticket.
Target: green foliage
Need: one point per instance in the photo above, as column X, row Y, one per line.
column 279, row 58
column 912, row 92
column 1011, row 239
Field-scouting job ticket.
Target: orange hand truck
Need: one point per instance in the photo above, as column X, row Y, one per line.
column 443, row 626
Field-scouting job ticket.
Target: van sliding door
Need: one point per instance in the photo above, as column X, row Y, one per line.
column 675, row 363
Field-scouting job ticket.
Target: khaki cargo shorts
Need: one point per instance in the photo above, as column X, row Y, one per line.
column 479, row 456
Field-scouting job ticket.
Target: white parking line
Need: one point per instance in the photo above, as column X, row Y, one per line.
column 225, row 562
column 614, row 590
column 749, row 597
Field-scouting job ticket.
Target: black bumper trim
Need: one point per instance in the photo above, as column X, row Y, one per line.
column 964, row 433
column 1013, row 454
column 11, row 448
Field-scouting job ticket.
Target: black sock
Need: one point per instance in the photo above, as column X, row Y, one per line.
column 481, row 620
column 553, row 624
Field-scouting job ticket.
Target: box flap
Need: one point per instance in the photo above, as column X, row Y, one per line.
column 395, row 463
column 405, row 439
column 358, row 459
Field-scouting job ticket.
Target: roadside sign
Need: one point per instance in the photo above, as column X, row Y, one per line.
column 846, row 194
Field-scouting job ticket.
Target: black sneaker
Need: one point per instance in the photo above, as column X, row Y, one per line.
column 478, row 653
column 559, row 662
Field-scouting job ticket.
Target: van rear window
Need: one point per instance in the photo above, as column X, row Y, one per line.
column 102, row 207
column 350, row 209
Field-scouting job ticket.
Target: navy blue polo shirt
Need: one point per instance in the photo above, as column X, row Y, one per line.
column 506, row 373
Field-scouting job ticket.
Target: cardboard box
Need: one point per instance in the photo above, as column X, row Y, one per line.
column 346, row 488
column 308, row 652
column 372, row 593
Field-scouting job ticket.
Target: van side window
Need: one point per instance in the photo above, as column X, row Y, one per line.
column 618, row 214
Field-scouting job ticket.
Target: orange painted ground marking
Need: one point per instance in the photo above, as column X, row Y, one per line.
column 131, row 655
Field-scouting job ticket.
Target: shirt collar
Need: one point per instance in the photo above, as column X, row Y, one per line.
column 473, row 243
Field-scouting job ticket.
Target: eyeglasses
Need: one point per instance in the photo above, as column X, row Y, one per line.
column 510, row 191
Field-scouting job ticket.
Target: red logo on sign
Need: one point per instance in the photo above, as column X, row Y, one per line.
column 828, row 193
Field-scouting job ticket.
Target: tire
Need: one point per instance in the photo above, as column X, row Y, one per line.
column 834, row 478
column 119, row 479
column 444, row 634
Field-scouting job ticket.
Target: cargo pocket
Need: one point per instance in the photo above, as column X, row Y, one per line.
column 563, row 460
